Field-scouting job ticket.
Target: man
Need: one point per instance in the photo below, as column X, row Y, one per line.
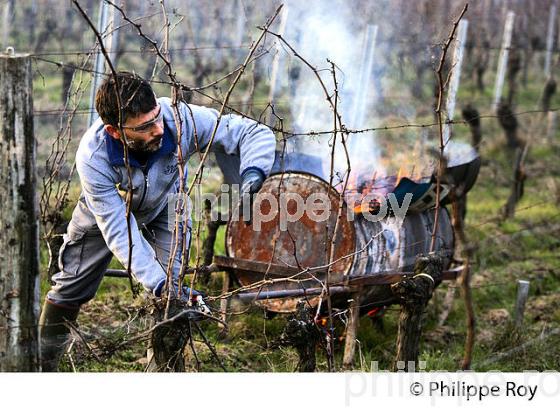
column 98, row 228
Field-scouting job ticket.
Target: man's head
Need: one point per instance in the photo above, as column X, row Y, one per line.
column 142, row 120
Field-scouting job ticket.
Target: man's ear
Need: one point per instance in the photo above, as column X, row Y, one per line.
column 113, row 131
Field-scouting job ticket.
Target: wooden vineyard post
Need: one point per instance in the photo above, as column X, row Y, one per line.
column 455, row 76
column 7, row 14
column 363, row 98
column 19, row 229
column 224, row 302
column 504, row 53
column 520, row 301
column 549, row 40
column 275, row 66
column 108, row 22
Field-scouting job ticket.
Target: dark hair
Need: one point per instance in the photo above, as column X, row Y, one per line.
column 137, row 97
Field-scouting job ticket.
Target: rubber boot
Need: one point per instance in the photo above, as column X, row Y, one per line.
column 53, row 333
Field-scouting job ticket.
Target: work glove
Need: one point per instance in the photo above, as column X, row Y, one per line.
column 192, row 298
column 251, row 182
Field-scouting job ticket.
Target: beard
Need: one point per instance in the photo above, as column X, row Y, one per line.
column 145, row 147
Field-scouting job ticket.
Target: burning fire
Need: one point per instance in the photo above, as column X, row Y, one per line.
column 364, row 181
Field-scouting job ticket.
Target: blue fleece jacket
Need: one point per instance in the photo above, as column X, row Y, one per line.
column 104, row 180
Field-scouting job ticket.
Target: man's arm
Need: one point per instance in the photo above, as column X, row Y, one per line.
column 109, row 209
column 254, row 143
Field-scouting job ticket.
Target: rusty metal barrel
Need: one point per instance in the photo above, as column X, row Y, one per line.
column 302, row 242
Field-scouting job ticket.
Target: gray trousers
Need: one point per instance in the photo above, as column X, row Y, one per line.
column 84, row 258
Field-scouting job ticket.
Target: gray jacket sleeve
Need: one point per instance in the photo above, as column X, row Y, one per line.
column 109, row 209
column 252, row 142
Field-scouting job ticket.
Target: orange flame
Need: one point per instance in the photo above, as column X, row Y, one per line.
column 399, row 175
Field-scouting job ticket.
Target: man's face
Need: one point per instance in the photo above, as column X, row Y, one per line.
column 145, row 131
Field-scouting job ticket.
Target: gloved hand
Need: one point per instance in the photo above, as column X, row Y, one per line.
column 193, row 299
column 186, row 292
column 251, row 182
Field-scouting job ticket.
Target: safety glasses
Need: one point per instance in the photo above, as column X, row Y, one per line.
column 146, row 127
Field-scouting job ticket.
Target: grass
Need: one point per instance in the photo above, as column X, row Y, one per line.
column 524, row 247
